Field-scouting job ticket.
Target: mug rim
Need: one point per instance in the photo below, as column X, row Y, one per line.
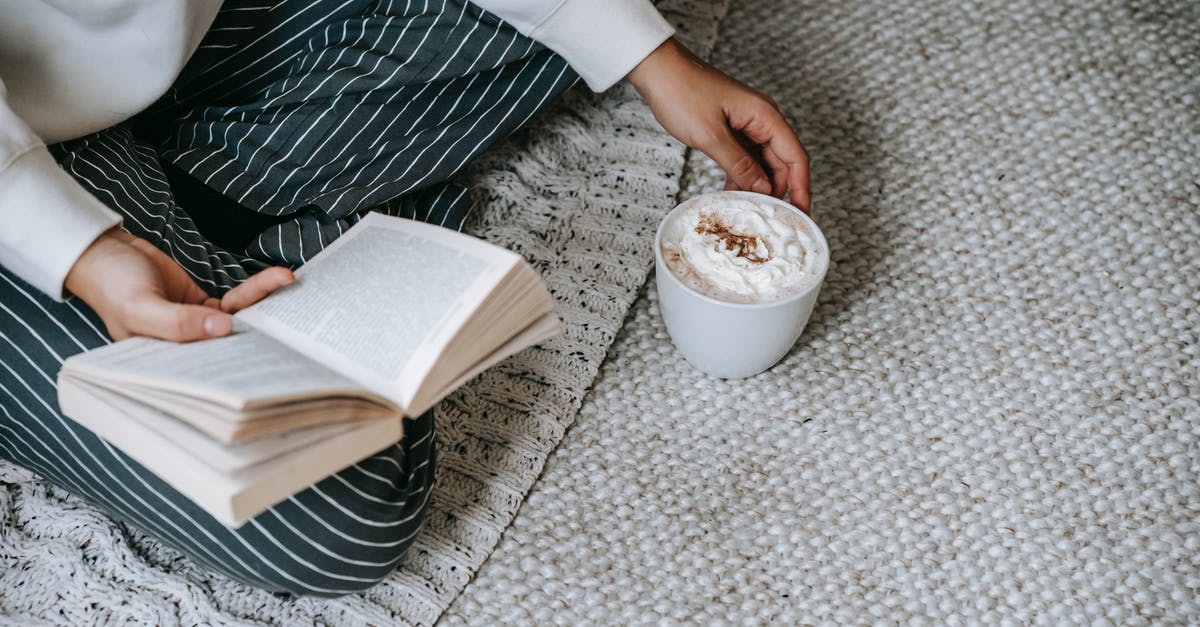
column 661, row 263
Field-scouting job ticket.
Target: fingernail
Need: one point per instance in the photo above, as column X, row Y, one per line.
column 217, row 326
column 761, row 186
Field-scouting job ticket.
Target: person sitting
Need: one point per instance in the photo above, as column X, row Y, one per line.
column 290, row 120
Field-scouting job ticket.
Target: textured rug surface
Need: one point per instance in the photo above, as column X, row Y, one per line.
column 994, row 415
column 578, row 193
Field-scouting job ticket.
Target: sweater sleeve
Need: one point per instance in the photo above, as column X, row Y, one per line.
column 47, row 219
column 602, row 40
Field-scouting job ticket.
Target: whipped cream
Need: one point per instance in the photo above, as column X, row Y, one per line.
column 741, row 250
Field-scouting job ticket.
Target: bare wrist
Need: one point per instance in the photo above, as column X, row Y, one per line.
column 668, row 54
column 79, row 279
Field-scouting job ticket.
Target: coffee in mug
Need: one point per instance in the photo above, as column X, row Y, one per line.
column 738, row 275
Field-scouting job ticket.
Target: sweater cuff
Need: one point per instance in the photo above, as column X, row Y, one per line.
column 49, row 221
column 603, row 40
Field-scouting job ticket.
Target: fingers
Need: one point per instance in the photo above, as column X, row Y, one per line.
column 255, row 288
column 176, row 284
column 798, row 182
column 743, row 170
column 778, row 171
column 177, row 323
column 708, row 110
column 765, row 125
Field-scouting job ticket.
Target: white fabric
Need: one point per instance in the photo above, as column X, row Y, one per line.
column 36, row 193
column 75, row 69
column 66, row 71
column 48, row 220
column 602, row 39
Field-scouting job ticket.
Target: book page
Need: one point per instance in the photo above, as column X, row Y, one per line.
column 544, row 328
column 230, row 425
column 239, row 371
column 246, row 489
column 223, row 457
column 382, row 301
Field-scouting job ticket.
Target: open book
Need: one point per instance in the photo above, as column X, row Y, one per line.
column 386, row 321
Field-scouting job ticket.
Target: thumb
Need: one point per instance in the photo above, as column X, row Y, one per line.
column 178, row 323
column 743, row 170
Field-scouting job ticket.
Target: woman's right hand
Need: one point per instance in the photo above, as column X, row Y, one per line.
column 740, row 128
column 137, row 289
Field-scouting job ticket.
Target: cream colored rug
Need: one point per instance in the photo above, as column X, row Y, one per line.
column 994, row 415
column 579, row 193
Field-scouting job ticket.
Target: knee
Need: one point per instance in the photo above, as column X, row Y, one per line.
column 335, row 562
column 347, row 533
column 350, row 531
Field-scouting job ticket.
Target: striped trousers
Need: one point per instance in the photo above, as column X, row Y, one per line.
column 290, row 122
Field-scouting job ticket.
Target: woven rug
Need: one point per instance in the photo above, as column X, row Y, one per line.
column 994, row 415
column 579, row 193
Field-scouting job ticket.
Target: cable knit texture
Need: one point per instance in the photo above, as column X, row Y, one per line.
column 579, row 193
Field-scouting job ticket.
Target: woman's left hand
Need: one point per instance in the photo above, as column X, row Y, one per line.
column 740, row 128
column 137, row 289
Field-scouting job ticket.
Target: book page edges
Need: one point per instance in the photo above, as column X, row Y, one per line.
column 231, row 500
column 228, row 459
column 98, row 374
column 229, row 427
column 539, row 331
column 519, row 298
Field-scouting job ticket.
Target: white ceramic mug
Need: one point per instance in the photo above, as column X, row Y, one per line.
column 733, row 340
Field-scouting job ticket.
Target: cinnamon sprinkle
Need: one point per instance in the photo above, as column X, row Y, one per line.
column 744, row 246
